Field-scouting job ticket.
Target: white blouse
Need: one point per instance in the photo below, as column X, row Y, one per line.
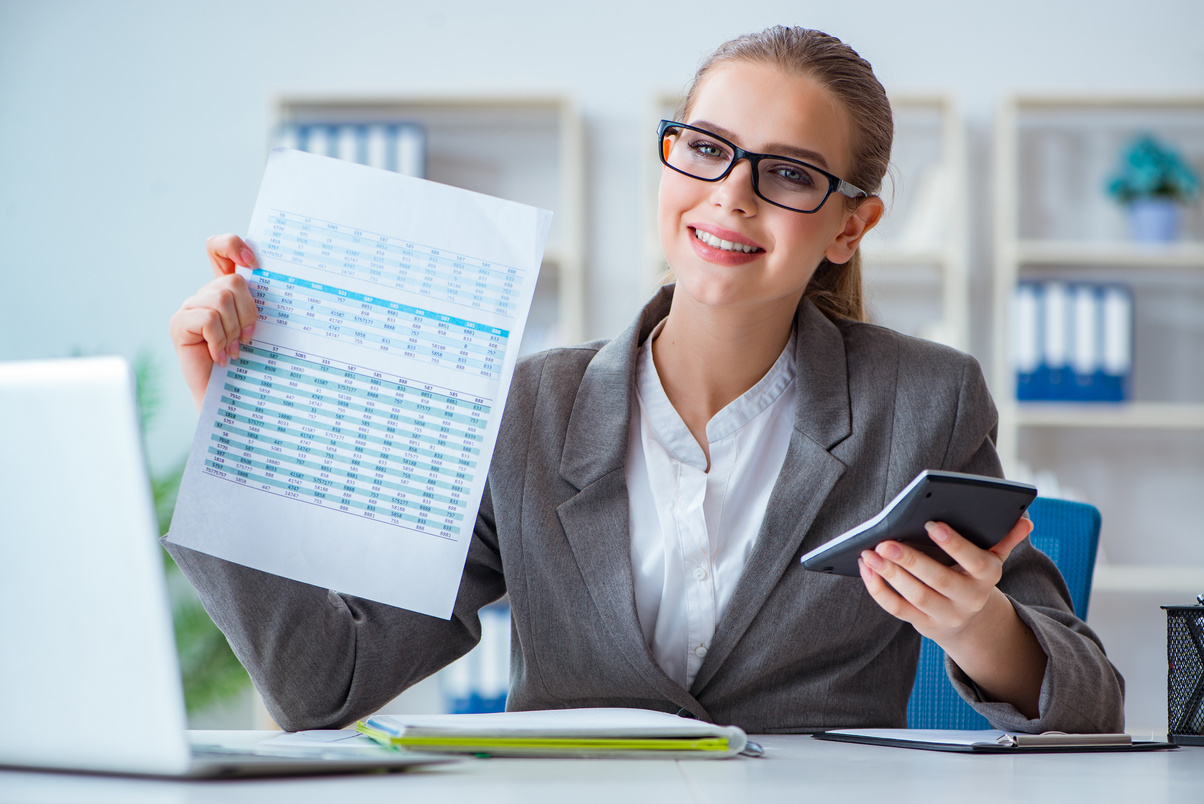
column 692, row 531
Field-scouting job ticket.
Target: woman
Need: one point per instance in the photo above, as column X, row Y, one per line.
column 649, row 497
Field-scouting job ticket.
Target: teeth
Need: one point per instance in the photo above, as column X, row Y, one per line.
column 724, row 245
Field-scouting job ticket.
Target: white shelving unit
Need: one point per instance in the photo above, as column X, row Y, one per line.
column 1141, row 462
column 1053, row 220
column 914, row 263
column 521, row 148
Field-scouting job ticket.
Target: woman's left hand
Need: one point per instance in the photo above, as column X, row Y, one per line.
column 961, row 609
column 939, row 601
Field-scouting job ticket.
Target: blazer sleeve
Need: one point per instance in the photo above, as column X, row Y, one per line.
column 1082, row 691
column 322, row 659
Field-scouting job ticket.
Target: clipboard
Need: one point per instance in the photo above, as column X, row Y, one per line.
column 990, row 741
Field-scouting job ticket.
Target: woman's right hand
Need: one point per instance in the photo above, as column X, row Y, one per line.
column 209, row 327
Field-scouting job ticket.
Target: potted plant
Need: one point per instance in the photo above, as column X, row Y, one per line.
column 1154, row 183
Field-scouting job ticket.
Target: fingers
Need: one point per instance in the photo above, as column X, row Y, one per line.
column 979, row 563
column 1019, row 532
column 870, row 565
column 208, row 328
column 937, row 596
column 226, row 252
column 914, row 587
column 221, row 316
column 973, row 560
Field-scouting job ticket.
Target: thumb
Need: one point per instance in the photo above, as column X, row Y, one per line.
column 1018, row 533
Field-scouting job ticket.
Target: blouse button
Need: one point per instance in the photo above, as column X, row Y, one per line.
column 701, row 651
column 700, row 573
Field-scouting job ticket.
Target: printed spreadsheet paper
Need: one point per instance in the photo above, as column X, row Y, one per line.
column 348, row 446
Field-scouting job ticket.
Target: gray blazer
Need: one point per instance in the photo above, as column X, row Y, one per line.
column 797, row 651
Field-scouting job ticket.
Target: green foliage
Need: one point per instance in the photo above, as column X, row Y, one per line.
column 1150, row 169
column 210, row 670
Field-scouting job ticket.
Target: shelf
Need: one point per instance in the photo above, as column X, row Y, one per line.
column 1101, row 102
column 1151, row 578
column 1090, row 254
column 1131, row 415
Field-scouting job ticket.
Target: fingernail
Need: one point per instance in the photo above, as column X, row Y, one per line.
column 246, row 334
column 863, row 568
column 232, row 349
column 873, row 559
column 248, row 259
column 936, row 532
column 890, row 550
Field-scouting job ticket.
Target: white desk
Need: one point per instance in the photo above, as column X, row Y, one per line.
column 794, row 769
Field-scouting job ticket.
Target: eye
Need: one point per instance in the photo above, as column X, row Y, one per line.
column 792, row 174
column 706, row 149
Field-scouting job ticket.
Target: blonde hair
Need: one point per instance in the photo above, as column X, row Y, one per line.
column 835, row 289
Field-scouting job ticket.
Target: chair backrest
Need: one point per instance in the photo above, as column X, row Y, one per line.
column 1067, row 532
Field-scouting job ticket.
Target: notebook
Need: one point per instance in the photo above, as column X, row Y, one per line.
column 89, row 679
column 594, row 732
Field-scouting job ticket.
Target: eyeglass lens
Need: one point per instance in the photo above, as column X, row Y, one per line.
column 779, row 180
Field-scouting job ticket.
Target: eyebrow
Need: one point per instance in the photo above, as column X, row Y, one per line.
column 794, row 152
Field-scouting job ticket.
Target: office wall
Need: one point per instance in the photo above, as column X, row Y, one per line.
column 131, row 130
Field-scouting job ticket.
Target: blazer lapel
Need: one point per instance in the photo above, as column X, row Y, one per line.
column 823, row 419
column 595, row 520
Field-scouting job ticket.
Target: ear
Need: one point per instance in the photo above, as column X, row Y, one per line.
column 856, row 224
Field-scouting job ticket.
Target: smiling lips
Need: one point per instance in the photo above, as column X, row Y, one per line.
column 715, row 246
column 726, row 245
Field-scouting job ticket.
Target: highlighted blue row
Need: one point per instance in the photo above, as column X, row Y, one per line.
column 388, row 305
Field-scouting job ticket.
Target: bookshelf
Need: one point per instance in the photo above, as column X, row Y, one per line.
column 1053, row 220
column 914, row 263
column 1140, row 461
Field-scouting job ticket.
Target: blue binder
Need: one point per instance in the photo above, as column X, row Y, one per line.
column 1073, row 341
column 399, row 146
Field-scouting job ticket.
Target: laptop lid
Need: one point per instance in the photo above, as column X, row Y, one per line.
column 90, row 678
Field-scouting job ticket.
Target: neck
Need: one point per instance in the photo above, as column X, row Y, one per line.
column 707, row 357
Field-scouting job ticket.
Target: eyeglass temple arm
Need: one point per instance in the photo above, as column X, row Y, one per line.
column 844, row 188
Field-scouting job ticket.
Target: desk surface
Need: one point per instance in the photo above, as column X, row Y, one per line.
column 794, row 768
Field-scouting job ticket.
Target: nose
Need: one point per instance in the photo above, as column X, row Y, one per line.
column 735, row 191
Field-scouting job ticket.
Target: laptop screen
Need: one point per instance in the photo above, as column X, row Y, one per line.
column 89, row 679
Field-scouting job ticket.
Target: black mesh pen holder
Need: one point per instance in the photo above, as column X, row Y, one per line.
column 1185, row 673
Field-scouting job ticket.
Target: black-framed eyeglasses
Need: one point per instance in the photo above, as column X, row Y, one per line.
column 782, row 181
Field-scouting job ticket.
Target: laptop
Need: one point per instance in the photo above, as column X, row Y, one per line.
column 89, row 677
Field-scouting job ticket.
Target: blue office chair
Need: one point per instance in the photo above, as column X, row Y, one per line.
column 1067, row 532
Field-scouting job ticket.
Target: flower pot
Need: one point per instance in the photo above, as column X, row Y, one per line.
column 1154, row 220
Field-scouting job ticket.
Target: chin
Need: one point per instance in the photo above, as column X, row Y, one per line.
column 722, row 292
column 742, row 286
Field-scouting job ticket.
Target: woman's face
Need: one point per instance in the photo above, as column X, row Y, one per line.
column 762, row 109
